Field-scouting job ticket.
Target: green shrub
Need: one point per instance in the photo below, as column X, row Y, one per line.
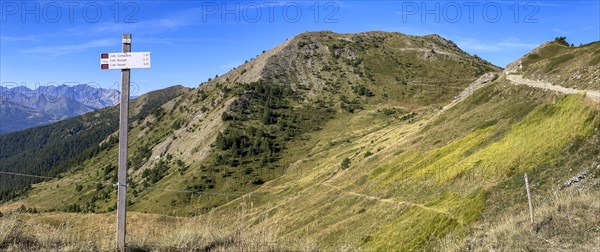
column 345, row 163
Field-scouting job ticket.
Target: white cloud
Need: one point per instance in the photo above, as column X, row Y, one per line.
column 171, row 40
column 559, row 31
column 476, row 45
column 53, row 51
column 174, row 21
column 170, row 22
column 18, row 38
column 232, row 64
column 503, row 45
column 85, row 32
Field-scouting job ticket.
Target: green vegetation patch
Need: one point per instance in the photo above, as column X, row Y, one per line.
column 422, row 223
column 411, row 231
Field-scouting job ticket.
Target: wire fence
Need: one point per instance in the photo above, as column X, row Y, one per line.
column 456, row 173
column 117, row 184
column 249, row 194
column 250, row 217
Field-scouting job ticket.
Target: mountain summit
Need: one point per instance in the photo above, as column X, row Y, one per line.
column 371, row 141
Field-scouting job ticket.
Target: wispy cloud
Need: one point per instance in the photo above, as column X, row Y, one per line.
column 590, row 28
column 560, row 31
column 90, row 33
column 173, row 21
column 170, row 40
column 18, row 38
column 503, row 45
column 232, row 64
column 54, row 51
column 170, row 22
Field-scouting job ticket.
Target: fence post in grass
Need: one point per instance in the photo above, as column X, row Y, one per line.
column 529, row 201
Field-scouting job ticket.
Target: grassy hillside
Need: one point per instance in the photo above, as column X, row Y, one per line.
column 21, row 117
column 53, row 149
column 413, row 192
column 400, row 191
column 335, row 142
column 234, row 133
column 564, row 65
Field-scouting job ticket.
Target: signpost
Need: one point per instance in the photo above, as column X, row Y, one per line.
column 124, row 61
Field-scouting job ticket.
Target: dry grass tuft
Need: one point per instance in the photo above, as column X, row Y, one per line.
column 24, row 232
column 205, row 234
column 566, row 221
column 14, row 236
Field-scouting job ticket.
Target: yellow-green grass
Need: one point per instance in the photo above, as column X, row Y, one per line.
column 472, row 164
column 536, row 140
column 319, row 200
column 336, row 218
column 415, row 228
column 388, row 195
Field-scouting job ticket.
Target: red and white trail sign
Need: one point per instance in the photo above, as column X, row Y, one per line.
column 130, row 60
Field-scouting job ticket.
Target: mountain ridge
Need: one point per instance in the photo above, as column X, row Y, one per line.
column 292, row 95
column 55, row 148
column 341, row 140
column 23, row 108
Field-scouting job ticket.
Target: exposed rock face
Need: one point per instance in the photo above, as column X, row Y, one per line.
column 516, row 66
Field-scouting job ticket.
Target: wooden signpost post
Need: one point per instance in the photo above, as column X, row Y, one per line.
column 124, row 61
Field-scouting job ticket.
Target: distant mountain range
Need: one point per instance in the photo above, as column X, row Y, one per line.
column 22, row 108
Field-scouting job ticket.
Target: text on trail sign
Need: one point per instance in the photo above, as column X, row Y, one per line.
column 129, row 60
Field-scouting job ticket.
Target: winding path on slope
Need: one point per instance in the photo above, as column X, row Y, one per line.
column 392, row 201
column 482, row 81
column 519, row 80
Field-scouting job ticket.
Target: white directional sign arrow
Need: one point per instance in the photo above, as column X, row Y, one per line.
column 109, row 61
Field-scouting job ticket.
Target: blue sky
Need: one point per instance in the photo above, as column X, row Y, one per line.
column 59, row 42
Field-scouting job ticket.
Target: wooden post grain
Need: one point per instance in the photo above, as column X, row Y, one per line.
column 529, row 200
column 123, row 142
